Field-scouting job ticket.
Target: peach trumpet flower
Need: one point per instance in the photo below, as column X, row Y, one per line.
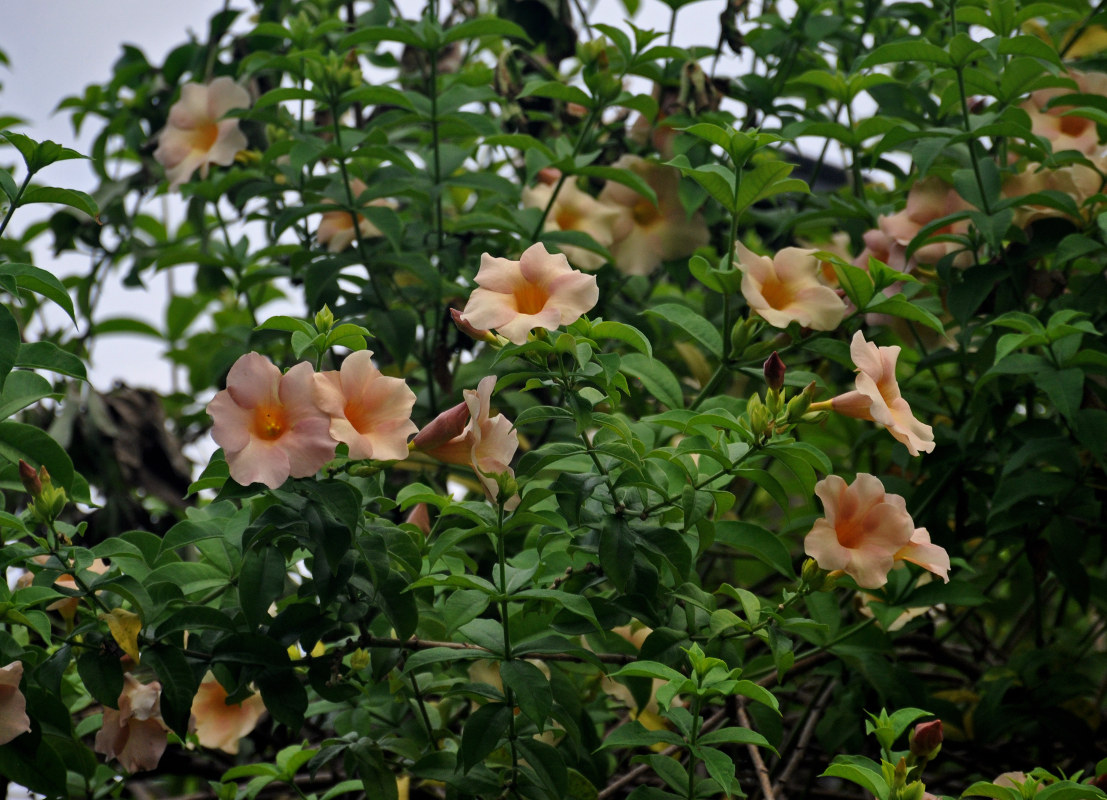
column 13, row 705
column 196, row 135
column 866, row 531
column 136, row 733
column 336, row 228
column 268, row 424
column 370, row 412
column 219, row 724
column 649, row 234
column 575, row 210
column 876, row 397
column 787, row 288
column 540, row 290
column 486, row 443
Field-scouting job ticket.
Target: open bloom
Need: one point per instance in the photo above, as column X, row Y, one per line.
column 540, row 290
column 1066, row 132
column 648, row 234
column 877, row 398
column 574, row 210
column 268, row 424
column 196, row 135
column 866, row 531
column 67, row 606
column 219, row 724
column 336, row 228
column 135, row 734
column 370, row 412
column 787, row 288
column 13, row 706
column 486, row 443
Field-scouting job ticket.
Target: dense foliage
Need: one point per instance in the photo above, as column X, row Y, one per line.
column 790, row 449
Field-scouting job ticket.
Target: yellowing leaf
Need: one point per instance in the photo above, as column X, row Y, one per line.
column 124, row 626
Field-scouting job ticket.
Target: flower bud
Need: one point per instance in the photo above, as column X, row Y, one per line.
column 324, row 319
column 31, row 481
column 926, row 739
column 359, row 660
column 799, row 405
column 813, row 575
column 912, row 791
column 761, row 419
column 446, row 426
column 774, row 371
column 740, row 336
column 474, row 333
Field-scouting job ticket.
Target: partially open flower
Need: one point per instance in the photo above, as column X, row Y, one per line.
column 786, row 288
column 487, row 443
column 219, row 724
column 877, row 396
column 336, row 228
column 135, row 734
column 540, row 290
column 196, row 135
column 648, row 234
column 370, row 412
column 13, row 706
column 574, row 210
column 268, row 424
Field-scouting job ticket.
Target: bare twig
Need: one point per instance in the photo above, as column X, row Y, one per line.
column 808, row 730
column 755, row 756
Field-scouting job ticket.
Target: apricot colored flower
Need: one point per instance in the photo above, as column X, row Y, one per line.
column 876, row 397
column 13, row 706
column 540, row 290
column 1066, row 132
column 574, row 210
column 1078, row 181
column 219, row 724
column 370, row 412
column 487, row 443
column 268, row 424
column 862, row 531
column 928, row 200
column 648, row 234
column 787, row 288
column 336, row 228
column 135, row 734
column 920, row 550
column 196, row 135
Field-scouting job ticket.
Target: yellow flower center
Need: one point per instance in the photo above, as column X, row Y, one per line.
column 567, row 219
column 204, row 136
column 530, row 299
column 777, row 294
column 270, row 422
column 645, row 213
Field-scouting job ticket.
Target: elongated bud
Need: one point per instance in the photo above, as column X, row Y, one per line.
column 30, row 479
column 740, row 336
column 324, row 319
column 774, row 371
column 801, row 403
column 446, row 426
column 419, row 516
column 926, row 739
column 474, row 333
column 759, row 416
column 813, row 575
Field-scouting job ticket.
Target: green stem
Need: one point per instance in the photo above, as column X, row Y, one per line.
column 1083, row 26
column 693, row 740
column 509, row 695
column 589, row 121
column 15, row 203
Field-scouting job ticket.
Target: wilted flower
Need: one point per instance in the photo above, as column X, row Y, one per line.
column 574, row 210
column 877, row 398
column 786, row 288
column 268, row 424
column 370, row 412
column 196, row 135
column 648, row 234
column 540, row 290
column 486, row 443
column 865, row 530
column 336, row 228
column 13, row 706
column 219, row 724
column 135, row 734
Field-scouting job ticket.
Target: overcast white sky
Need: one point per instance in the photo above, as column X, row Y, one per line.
column 57, row 47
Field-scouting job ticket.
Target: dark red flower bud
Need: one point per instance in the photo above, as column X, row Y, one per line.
column 926, row 739
column 774, row 371
column 31, row 482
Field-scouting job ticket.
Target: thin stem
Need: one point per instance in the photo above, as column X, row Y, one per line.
column 509, row 694
column 14, row 203
column 593, row 115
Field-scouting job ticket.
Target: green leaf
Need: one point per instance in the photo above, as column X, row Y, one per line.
column 856, row 283
column 289, row 324
column 48, row 356
column 609, row 329
column 178, row 684
column 736, row 736
column 484, row 26
column 904, row 51
column 260, row 582
column 626, row 177
column 692, row 324
column 634, row 734
column 532, row 689
column 872, row 781
column 102, row 675
column 22, row 389
column 284, row 696
column 556, row 90
column 655, row 376
column 30, row 277
column 758, row 542
column 125, row 325
column 483, row 732
column 37, row 448
column 65, row 197
column 10, row 342
column 547, row 765
column 899, row 306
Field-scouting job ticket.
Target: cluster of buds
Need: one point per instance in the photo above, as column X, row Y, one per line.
column 776, row 414
column 47, row 500
column 814, row 578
